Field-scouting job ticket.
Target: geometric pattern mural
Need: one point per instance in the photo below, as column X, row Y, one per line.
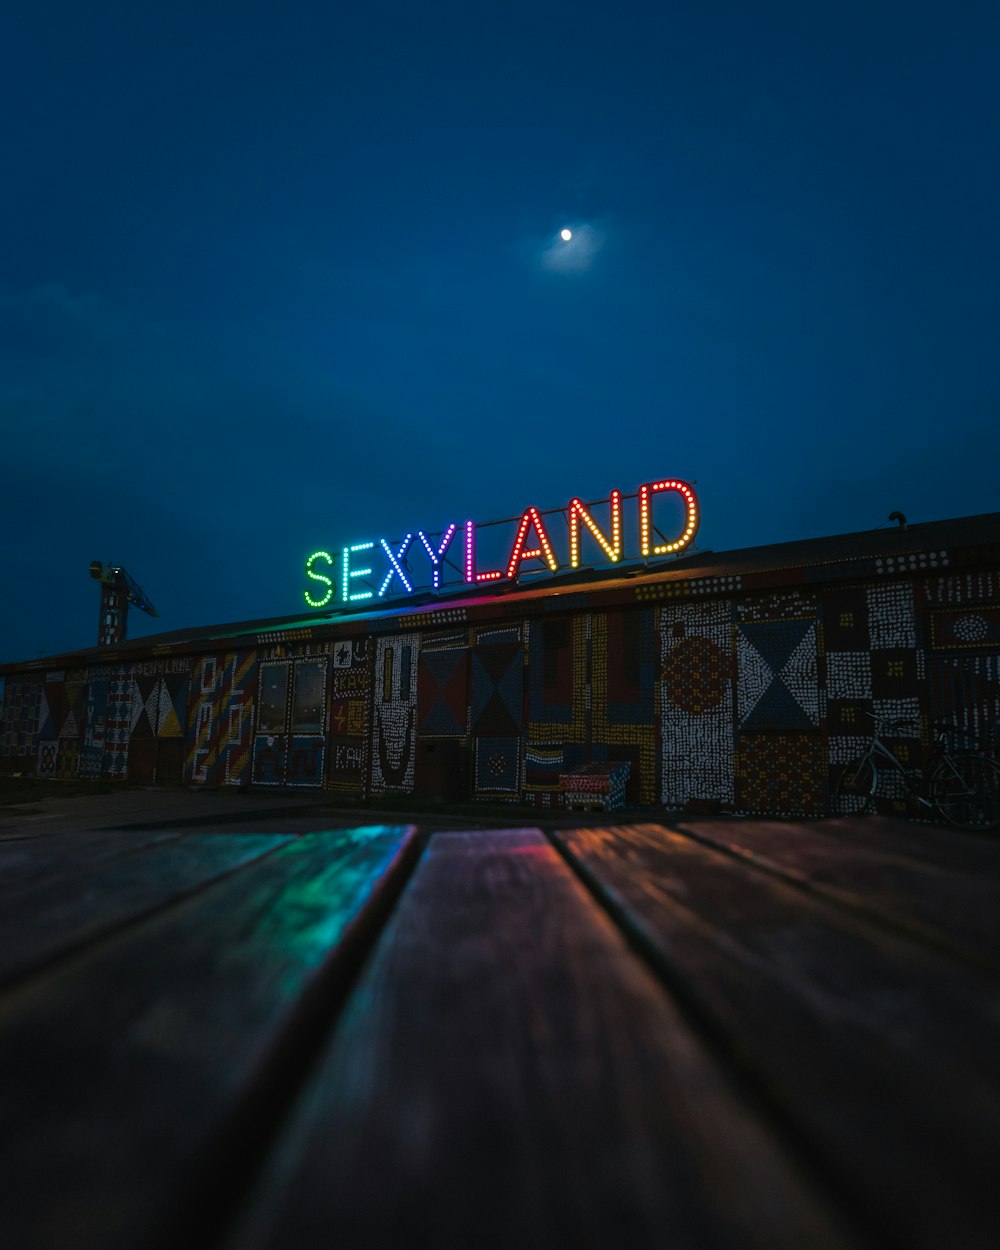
column 498, row 763
column 395, row 711
column 305, row 761
column 897, row 666
column 350, row 695
column 118, row 722
column 269, row 754
column 711, row 689
column 966, row 629
column 46, row 764
column 696, row 702
column 497, row 679
column 21, row 710
column 848, row 675
column 783, row 773
column 623, row 648
column 442, row 698
column 270, row 744
column 204, row 726
column 551, row 685
column 965, row 691
column 559, row 699
column 68, row 759
column 290, row 740
column 60, row 710
column 965, row 588
column 76, row 693
column 777, row 686
column 158, row 720
column 559, row 692
column 848, row 660
column 543, row 762
column 891, row 617
column 95, row 711
column 220, row 719
column 236, row 713
column 496, row 713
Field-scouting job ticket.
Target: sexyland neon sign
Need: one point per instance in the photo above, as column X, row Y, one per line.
column 621, row 537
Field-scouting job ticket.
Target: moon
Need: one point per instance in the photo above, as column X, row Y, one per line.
column 565, row 235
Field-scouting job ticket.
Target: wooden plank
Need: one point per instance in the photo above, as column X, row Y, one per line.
column 148, row 1069
column 30, row 859
column 934, row 844
column 941, row 900
column 507, row 1073
column 879, row 1056
column 90, row 896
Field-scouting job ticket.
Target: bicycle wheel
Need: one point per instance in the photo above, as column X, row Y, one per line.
column 965, row 788
column 854, row 790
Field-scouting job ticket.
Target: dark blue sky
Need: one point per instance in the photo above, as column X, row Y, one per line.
column 284, row 277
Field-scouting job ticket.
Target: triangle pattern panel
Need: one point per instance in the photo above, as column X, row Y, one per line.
column 481, row 689
column 173, row 705
column 170, row 725
column 778, row 708
column 777, row 675
column 799, row 675
column 76, row 693
column 46, row 722
column 776, row 640
column 142, row 709
column 755, row 675
column 163, row 706
column 497, row 684
column 441, row 693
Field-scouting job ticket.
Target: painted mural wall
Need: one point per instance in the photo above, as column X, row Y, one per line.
column 220, row 719
column 110, row 721
column 394, row 729
column 351, row 670
column 751, row 701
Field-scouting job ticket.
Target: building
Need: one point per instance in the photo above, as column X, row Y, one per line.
column 741, row 678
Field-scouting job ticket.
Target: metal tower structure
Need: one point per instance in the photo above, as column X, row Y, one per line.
column 118, row 590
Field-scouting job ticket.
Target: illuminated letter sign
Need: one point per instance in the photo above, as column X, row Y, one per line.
column 348, row 573
column 645, row 516
column 435, row 555
column 471, row 576
column 396, row 569
column 631, row 531
column 578, row 513
column 517, row 554
column 319, row 577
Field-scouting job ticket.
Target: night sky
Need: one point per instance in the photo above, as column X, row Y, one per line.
column 280, row 277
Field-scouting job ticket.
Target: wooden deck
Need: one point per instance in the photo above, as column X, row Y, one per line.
column 714, row 1034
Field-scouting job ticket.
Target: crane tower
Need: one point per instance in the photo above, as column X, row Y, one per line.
column 118, row 590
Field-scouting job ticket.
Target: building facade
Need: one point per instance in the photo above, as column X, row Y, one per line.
column 741, row 679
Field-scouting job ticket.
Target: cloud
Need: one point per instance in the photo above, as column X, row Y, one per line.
column 575, row 255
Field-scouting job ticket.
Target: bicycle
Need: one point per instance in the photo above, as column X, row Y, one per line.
column 962, row 786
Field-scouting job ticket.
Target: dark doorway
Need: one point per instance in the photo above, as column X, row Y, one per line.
column 441, row 770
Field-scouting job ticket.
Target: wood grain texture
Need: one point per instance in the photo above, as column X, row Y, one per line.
column 136, row 1076
column 83, row 901
column 880, row 1055
column 26, row 861
column 951, row 901
column 507, row 1074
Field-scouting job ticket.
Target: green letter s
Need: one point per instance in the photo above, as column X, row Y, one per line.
column 319, row 577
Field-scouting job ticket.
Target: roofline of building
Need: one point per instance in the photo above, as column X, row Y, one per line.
column 903, row 549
